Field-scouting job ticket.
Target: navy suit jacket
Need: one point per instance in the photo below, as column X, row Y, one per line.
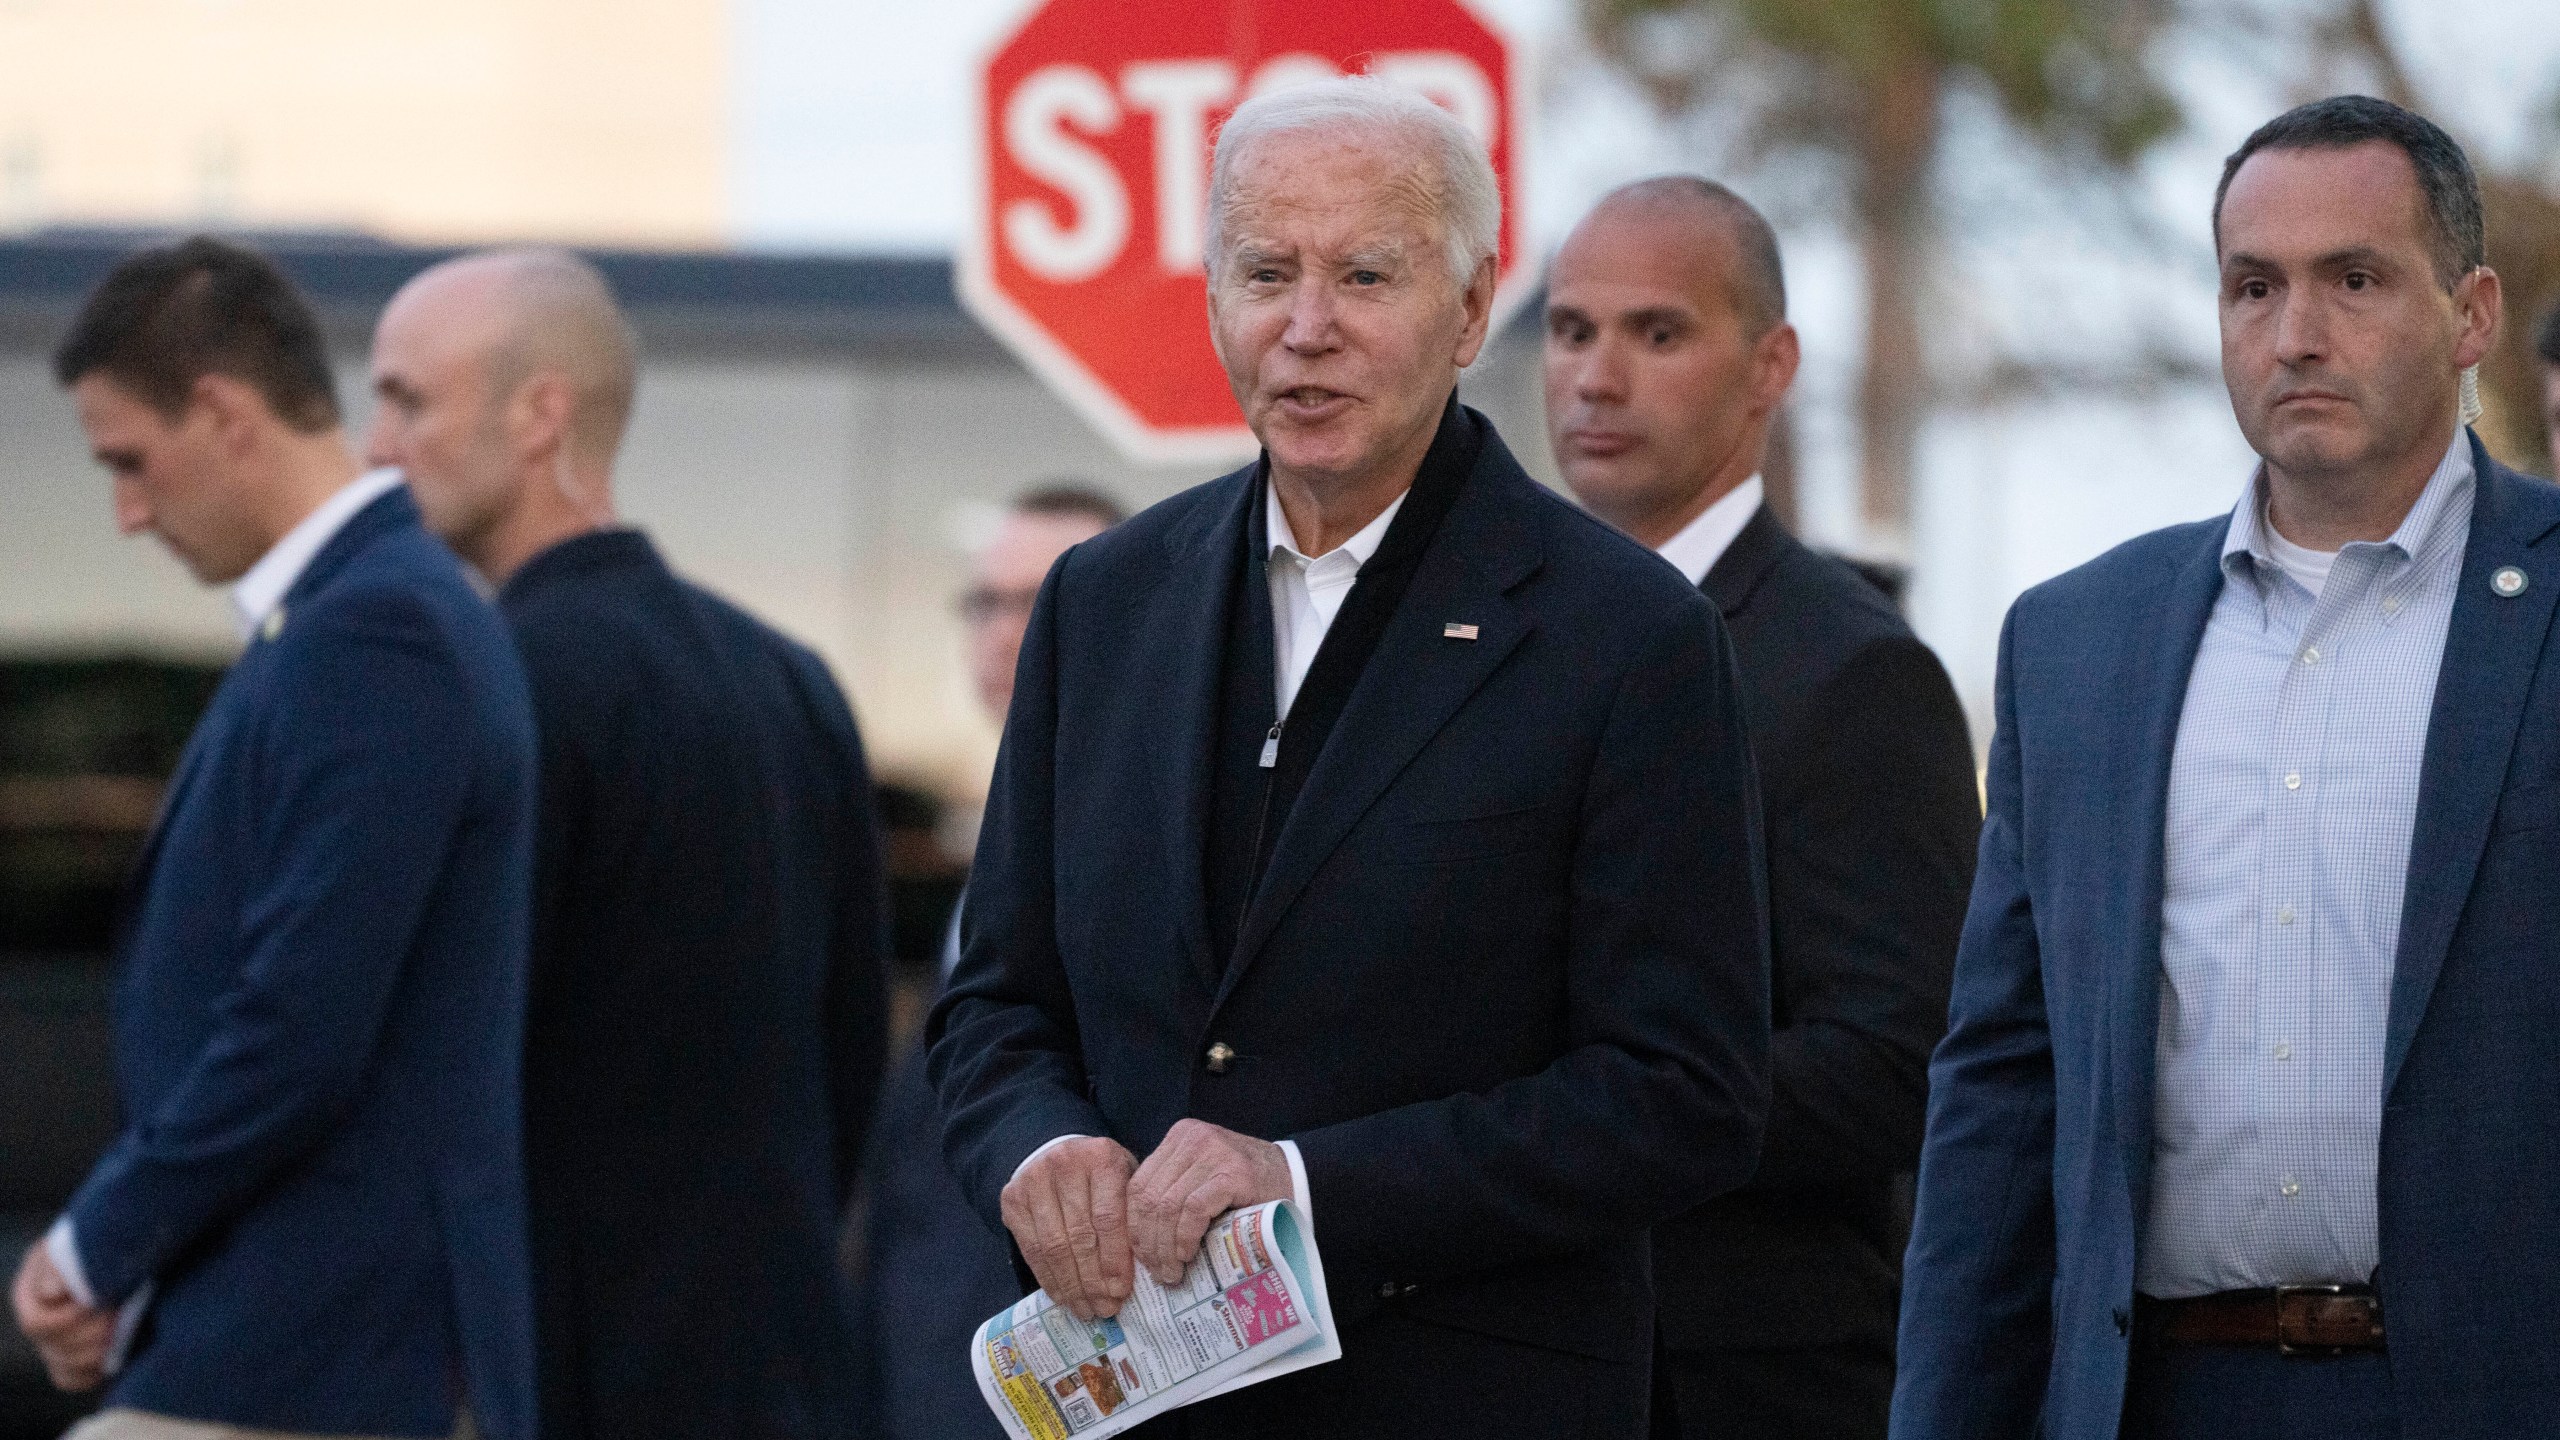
column 1505, row 979
column 709, row 1010
column 2037, row 1169
column 319, row 1017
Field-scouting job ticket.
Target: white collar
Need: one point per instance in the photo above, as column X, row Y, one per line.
column 1284, row 541
column 258, row 594
column 1703, row 541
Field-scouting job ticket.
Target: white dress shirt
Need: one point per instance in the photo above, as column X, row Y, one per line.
column 1703, row 541
column 256, row 598
column 1306, row 594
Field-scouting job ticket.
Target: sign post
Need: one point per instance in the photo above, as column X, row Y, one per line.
column 1095, row 120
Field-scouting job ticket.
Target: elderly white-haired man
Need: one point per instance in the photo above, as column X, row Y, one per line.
column 1372, row 828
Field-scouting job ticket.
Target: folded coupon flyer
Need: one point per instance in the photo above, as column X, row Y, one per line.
column 1251, row 1307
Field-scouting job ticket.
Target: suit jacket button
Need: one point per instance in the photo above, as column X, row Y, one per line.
column 1221, row 1056
column 1386, row 1289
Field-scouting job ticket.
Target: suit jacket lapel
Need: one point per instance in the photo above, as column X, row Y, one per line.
column 2163, row 657
column 1414, row 682
column 1745, row 563
column 2491, row 651
column 1188, row 616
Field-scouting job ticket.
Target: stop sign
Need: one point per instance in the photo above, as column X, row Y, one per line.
column 1095, row 119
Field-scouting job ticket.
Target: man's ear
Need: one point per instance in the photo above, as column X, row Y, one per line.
column 538, row 414
column 237, row 414
column 2481, row 298
column 1477, row 299
column 1774, row 358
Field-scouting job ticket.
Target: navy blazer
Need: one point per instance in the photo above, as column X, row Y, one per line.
column 709, row 1011
column 319, row 1016
column 1505, row 980
column 2037, row 1169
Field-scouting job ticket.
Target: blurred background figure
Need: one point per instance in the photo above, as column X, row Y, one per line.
column 931, row 1270
column 2546, row 348
column 1037, row 528
column 1668, row 354
column 708, row 1010
column 312, row 1220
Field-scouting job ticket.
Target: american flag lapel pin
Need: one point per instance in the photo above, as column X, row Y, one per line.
column 1455, row 631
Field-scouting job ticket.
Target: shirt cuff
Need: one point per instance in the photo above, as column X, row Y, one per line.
column 1298, row 1181
column 1036, row 1154
column 62, row 1247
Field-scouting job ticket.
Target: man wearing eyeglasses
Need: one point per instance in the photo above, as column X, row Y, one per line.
column 1040, row 525
column 934, row 1269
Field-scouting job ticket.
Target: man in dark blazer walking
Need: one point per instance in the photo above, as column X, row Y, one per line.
column 1668, row 354
column 1373, row 829
column 313, row 1221
column 2241, row 1127
column 708, row 1013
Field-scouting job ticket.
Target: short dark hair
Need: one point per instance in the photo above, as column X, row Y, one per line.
column 1760, row 287
column 2546, row 338
column 169, row 316
column 1071, row 500
column 2457, row 233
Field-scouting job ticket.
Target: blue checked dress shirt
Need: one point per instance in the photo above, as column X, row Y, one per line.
column 2292, row 795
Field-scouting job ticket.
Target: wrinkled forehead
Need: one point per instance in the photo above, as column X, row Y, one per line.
column 1337, row 191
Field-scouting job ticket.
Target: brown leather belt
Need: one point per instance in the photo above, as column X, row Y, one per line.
column 2292, row 1319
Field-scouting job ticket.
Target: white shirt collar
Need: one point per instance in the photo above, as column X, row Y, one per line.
column 1703, row 541
column 256, row 595
column 1284, row 541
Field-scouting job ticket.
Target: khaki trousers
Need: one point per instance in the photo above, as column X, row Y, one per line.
column 143, row 1425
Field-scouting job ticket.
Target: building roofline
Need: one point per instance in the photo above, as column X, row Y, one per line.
column 683, row 301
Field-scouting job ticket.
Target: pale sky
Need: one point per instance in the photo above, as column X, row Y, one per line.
column 852, row 116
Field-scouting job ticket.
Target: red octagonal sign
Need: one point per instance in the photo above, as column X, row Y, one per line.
column 1095, row 119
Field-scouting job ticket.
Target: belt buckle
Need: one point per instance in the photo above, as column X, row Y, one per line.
column 2285, row 1346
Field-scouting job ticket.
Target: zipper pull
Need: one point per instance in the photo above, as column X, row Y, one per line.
column 1271, row 746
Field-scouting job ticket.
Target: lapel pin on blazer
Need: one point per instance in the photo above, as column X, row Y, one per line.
column 1455, row 631
column 2509, row 582
column 274, row 625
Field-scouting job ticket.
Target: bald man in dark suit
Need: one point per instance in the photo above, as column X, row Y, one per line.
column 708, row 1013
column 1668, row 354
